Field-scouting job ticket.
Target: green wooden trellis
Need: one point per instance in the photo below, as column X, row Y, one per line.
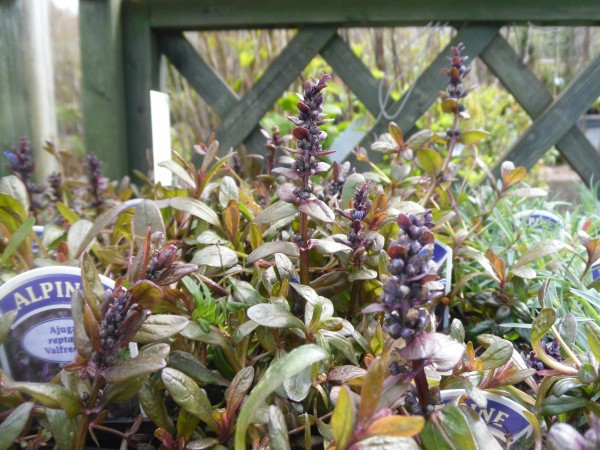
column 151, row 28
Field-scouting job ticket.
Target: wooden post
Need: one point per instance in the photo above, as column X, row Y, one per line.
column 14, row 97
column 141, row 71
column 26, row 80
column 102, row 84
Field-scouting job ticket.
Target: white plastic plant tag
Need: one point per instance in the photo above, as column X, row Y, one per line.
column 161, row 136
column 442, row 258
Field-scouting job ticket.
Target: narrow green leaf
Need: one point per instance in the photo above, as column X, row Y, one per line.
column 17, row 238
column 101, row 222
column 6, row 321
column 342, row 420
column 274, row 316
column 228, row 190
column 153, row 404
column 68, row 214
column 179, row 172
column 279, row 371
column 370, row 392
column 592, row 332
column 13, row 425
column 160, row 326
column 539, row 250
column 497, row 354
column 448, row 430
column 352, row 184
column 192, row 367
column 186, row 393
column 63, row 428
column 196, row 208
column 12, row 186
column 277, row 211
column 430, row 161
column 270, row 248
column 146, row 215
column 399, row 426
column 49, row 395
column 473, row 136
column 238, row 388
column 542, row 323
column 149, row 360
column 278, row 432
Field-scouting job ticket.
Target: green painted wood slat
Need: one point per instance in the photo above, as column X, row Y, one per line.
column 533, row 96
column 226, row 14
column 244, row 117
column 425, row 89
column 207, row 83
column 558, row 118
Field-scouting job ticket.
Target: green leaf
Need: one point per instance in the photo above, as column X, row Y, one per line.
column 398, row 426
column 592, row 332
column 149, row 360
column 419, row 139
column 370, row 392
column 497, row 354
column 352, row 184
column 80, row 337
column 387, row 443
column 121, row 392
column 228, row 190
column 49, row 395
column 277, row 211
column 528, row 192
column 473, row 136
column 270, row 248
column 204, row 443
column 63, row 428
column 542, row 323
column 213, row 337
column 238, row 388
column 13, row 425
column 6, row 321
column 160, row 326
column 327, row 246
column 101, row 222
column 17, row 238
column 449, row 429
column 179, row 172
column 154, row 406
column 342, row 344
column 457, row 330
column 146, row 215
column 278, row 432
column 243, row 331
column 317, row 209
column 342, row 420
column 362, row 274
column 191, row 366
column 298, row 386
column 479, row 429
column 274, row 316
column 430, row 161
column 540, row 250
column 186, row 393
column 12, row 186
column 217, row 256
column 279, row 371
column 93, row 289
column 196, row 208
column 68, row 214
column 553, row 406
column 77, row 235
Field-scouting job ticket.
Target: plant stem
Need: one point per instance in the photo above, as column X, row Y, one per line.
column 304, row 275
column 82, row 430
column 421, row 383
column 451, row 145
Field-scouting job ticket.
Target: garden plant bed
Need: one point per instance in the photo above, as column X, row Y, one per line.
column 423, row 303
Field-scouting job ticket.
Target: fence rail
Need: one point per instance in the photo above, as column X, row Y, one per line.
column 123, row 40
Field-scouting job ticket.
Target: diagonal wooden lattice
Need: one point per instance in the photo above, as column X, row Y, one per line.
column 123, row 42
column 554, row 120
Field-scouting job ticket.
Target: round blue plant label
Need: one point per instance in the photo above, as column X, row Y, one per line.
column 41, row 338
column 502, row 415
column 539, row 219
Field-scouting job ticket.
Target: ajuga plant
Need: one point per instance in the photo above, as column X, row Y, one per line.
column 307, row 164
column 21, row 162
column 301, row 309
